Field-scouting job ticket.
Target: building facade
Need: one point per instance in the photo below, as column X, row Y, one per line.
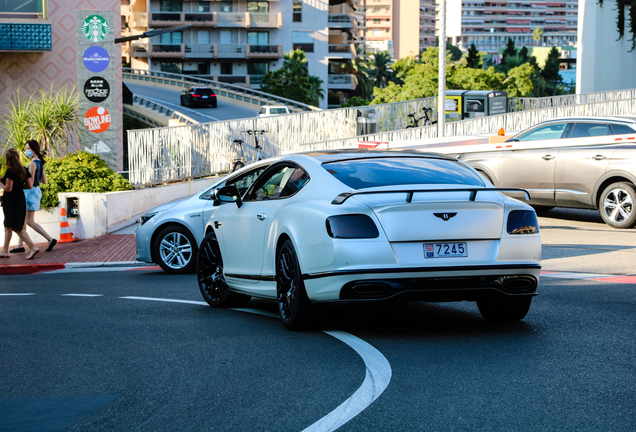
column 489, row 24
column 238, row 42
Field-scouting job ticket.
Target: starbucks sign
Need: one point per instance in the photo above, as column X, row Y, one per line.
column 95, row 28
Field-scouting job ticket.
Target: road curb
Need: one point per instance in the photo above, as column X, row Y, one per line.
column 20, row 269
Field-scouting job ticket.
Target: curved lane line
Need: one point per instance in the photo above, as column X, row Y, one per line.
column 378, row 373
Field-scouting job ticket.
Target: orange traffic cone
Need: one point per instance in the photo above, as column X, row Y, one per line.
column 65, row 233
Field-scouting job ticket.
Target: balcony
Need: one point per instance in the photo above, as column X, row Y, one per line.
column 255, row 80
column 234, row 79
column 346, row 50
column 265, row 20
column 217, row 19
column 139, row 49
column 200, row 19
column 340, row 20
column 341, row 82
column 200, row 51
column 273, row 52
column 138, row 20
column 166, row 50
column 229, row 51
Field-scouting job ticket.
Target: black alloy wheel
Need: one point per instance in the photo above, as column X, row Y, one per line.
column 500, row 308
column 293, row 304
column 211, row 279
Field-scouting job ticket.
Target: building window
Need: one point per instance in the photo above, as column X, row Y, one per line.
column 204, row 6
column 376, row 21
column 298, row 11
column 226, row 68
column 171, row 38
column 170, row 5
column 303, row 41
column 257, row 68
column 258, row 41
column 258, row 7
column 226, row 6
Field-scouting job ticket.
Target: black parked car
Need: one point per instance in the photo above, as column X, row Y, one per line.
column 193, row 96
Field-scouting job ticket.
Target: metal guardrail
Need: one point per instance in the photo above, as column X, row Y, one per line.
column 182, row 81
column 162, row 109
column 157, row 155
column 525, row 104
column 182, row 152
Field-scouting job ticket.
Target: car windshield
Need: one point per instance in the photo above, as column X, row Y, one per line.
column 395, row 171
column 204, row 91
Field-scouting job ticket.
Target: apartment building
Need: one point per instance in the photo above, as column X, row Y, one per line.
column 401, row 27
column 238, row 42
column 489, row 24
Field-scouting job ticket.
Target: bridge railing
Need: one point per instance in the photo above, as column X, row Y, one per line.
column 163, row 109
column 236, row 92
column 525, row 104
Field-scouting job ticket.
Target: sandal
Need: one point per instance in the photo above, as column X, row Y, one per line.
column 32, row 254
column 3, row 255
column 17, row 249
column 52, row 244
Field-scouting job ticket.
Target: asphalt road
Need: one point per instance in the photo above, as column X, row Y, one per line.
column 223, row 111
column 108, row 351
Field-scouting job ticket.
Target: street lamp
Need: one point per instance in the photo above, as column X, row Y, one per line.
column 441, row 92
column 151, row 33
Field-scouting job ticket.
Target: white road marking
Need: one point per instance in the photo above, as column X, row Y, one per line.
column 181, row 108
column 378, row 373
column 82, row 295
column 166, row 300
column 93, row 269
column 17, row 294
column 571, row 275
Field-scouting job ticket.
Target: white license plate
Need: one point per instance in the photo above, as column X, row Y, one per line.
column 204, row 97
column 445, row 250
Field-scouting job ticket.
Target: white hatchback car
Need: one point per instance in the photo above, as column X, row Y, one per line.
column 268, row 111
column 169, row 235
column 356, row 225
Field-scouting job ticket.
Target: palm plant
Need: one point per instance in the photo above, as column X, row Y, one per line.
column 296, row 62
column 48, row 117
column 316, row 92
column 380, row 70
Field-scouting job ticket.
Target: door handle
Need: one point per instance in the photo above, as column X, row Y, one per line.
column 599, row 157
column 261, row 217
column 547, row 157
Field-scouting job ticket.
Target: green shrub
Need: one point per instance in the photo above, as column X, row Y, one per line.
column 79, row 172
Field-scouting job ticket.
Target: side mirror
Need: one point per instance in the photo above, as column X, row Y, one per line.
column 228, row 194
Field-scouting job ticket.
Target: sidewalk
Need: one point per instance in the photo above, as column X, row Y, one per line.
column 110, row 249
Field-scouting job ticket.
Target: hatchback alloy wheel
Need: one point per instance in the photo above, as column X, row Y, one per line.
column 175, row 249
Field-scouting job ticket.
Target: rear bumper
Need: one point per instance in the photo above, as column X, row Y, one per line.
column 431, row 284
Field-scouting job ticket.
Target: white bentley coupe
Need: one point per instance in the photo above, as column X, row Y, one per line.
column 359, row 225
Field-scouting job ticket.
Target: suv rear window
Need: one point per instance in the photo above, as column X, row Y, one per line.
column 204, row 91
column 620, row 129
column 279, row 110
column 378, row 172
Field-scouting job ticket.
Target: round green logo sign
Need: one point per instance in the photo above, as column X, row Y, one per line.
column 95, row 28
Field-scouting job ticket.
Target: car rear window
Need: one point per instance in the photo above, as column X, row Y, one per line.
column 378, row 172
column 620, row 129
column 204, row 91
column 279, row 111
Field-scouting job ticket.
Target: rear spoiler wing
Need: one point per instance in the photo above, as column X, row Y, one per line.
column 340, row 199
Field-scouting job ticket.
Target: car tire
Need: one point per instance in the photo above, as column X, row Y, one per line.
column 214, row 104
column 617, row 205
column 211, row 279
column 181, row 101
column 175, row 250
column 504, row 308
column 293, row 304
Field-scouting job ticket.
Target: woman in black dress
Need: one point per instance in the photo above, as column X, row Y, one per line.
column 14, row 203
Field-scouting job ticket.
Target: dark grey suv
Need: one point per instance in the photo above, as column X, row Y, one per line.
column 599, row 177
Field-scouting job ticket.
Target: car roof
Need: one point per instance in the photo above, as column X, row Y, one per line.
column 328, row 156
column 608, row 119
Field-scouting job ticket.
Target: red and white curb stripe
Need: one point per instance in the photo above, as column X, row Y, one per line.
column 590, row 276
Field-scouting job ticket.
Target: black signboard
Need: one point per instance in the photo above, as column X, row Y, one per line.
column 96, row 89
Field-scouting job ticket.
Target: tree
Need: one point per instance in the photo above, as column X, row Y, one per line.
column 455, row 53
column 473, row 59
column 550, row 70
column 379, row 69
column 292, row 81
column 509, row 51
column 537, row 34
column 523, row 54
column 421, row 80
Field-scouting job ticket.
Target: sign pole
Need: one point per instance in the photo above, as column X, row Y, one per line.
column 441, row 92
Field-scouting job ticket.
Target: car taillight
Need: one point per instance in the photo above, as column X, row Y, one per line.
column 522, row 222
column 195, row 95
column 354, row 226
